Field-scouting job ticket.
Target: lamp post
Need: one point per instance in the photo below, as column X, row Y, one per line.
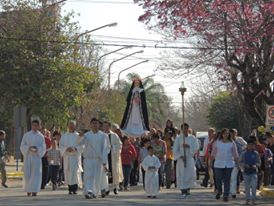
column 182, row 89
column 111, row 52
column 101, row 27
column 145, row 61
column 116, row 60
column 87, row 32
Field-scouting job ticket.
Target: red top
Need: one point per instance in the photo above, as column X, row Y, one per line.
column 128, row 154
column 48, row 144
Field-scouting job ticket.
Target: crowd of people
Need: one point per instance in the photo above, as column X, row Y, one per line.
column 103, row 159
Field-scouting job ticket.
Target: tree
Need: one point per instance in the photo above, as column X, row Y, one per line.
column 37, row 67
column 197, row 111
column 235, row 36
column 101, row 103
column 225, row 112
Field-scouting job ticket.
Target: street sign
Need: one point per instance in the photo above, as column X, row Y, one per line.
column 269, row 115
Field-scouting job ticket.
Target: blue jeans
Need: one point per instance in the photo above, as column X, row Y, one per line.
column 250, row 186
column 223, row 175
column 126, row 172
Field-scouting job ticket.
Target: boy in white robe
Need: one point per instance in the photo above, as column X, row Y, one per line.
column 184, row 149
column 95, row 159
column 33, row 147
column 151, row 165
column 71, row 152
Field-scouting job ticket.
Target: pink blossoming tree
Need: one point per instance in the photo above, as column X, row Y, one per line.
column 240, row 30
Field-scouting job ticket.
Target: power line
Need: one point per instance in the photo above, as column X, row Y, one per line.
column 114, row 45
column 136, row 39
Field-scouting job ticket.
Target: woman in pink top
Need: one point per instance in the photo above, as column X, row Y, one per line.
column 224, row 152
column 128, row 154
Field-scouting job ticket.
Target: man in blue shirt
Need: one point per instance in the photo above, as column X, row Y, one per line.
column 250, row 161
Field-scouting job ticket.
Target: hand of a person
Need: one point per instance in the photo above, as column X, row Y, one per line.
column 183, row 158
column 186, row 145
column 105, row 168
column 247, row 166
column 254, row 166
column 7, row 158
column 69, row 149
column 33, row 149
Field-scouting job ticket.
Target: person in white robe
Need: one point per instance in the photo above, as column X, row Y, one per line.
column 71, row 152
column 33, row 148
column 106, row 172
column 184, row 149
column 115, row 170
column 151, row 165
column 95, row 159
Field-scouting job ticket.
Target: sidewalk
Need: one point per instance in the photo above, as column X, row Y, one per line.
column 12, row 170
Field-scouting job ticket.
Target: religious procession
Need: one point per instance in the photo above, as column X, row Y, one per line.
column 109, row 158
column 136, row 102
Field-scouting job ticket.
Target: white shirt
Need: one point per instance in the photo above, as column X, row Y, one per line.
column 224, row 154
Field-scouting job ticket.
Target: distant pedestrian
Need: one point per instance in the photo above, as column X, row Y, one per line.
column 45, row 163
column 236, row 173
column 128, row 155
column 185, row 147
column 160, row 149
column 33, row 148
column 142, row 156
column 3, row 158
column 71, row 152
column 54, row 159
column 225, row 154
column 250, row 161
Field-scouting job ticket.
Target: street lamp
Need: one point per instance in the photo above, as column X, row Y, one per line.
column 87, row 32
column 101, row 27
column 182, row 89
column 145, row 61
column 116, row 60
column 99, row 59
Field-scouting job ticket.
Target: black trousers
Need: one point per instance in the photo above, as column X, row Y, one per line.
column 143, row 175
column 45, row 168
column 206, row 178
column 73, row 188
column 134, row 175
column 53, row 173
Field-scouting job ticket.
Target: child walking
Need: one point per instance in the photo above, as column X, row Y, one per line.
column 151, row 165
column 249, row 162
column 54, row 159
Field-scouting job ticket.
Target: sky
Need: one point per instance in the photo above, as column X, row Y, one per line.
column 96, row 13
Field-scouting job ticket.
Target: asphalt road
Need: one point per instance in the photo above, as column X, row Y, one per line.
column 15, row 196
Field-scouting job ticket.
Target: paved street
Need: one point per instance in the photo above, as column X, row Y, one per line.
column 14, row 196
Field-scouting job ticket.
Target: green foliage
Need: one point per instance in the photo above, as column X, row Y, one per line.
column 37, row 69
column 225, row 111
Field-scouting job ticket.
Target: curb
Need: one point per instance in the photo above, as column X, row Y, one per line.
column 267, row 192
column 15, row 174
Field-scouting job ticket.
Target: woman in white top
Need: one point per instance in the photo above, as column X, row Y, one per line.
column 224, row 152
